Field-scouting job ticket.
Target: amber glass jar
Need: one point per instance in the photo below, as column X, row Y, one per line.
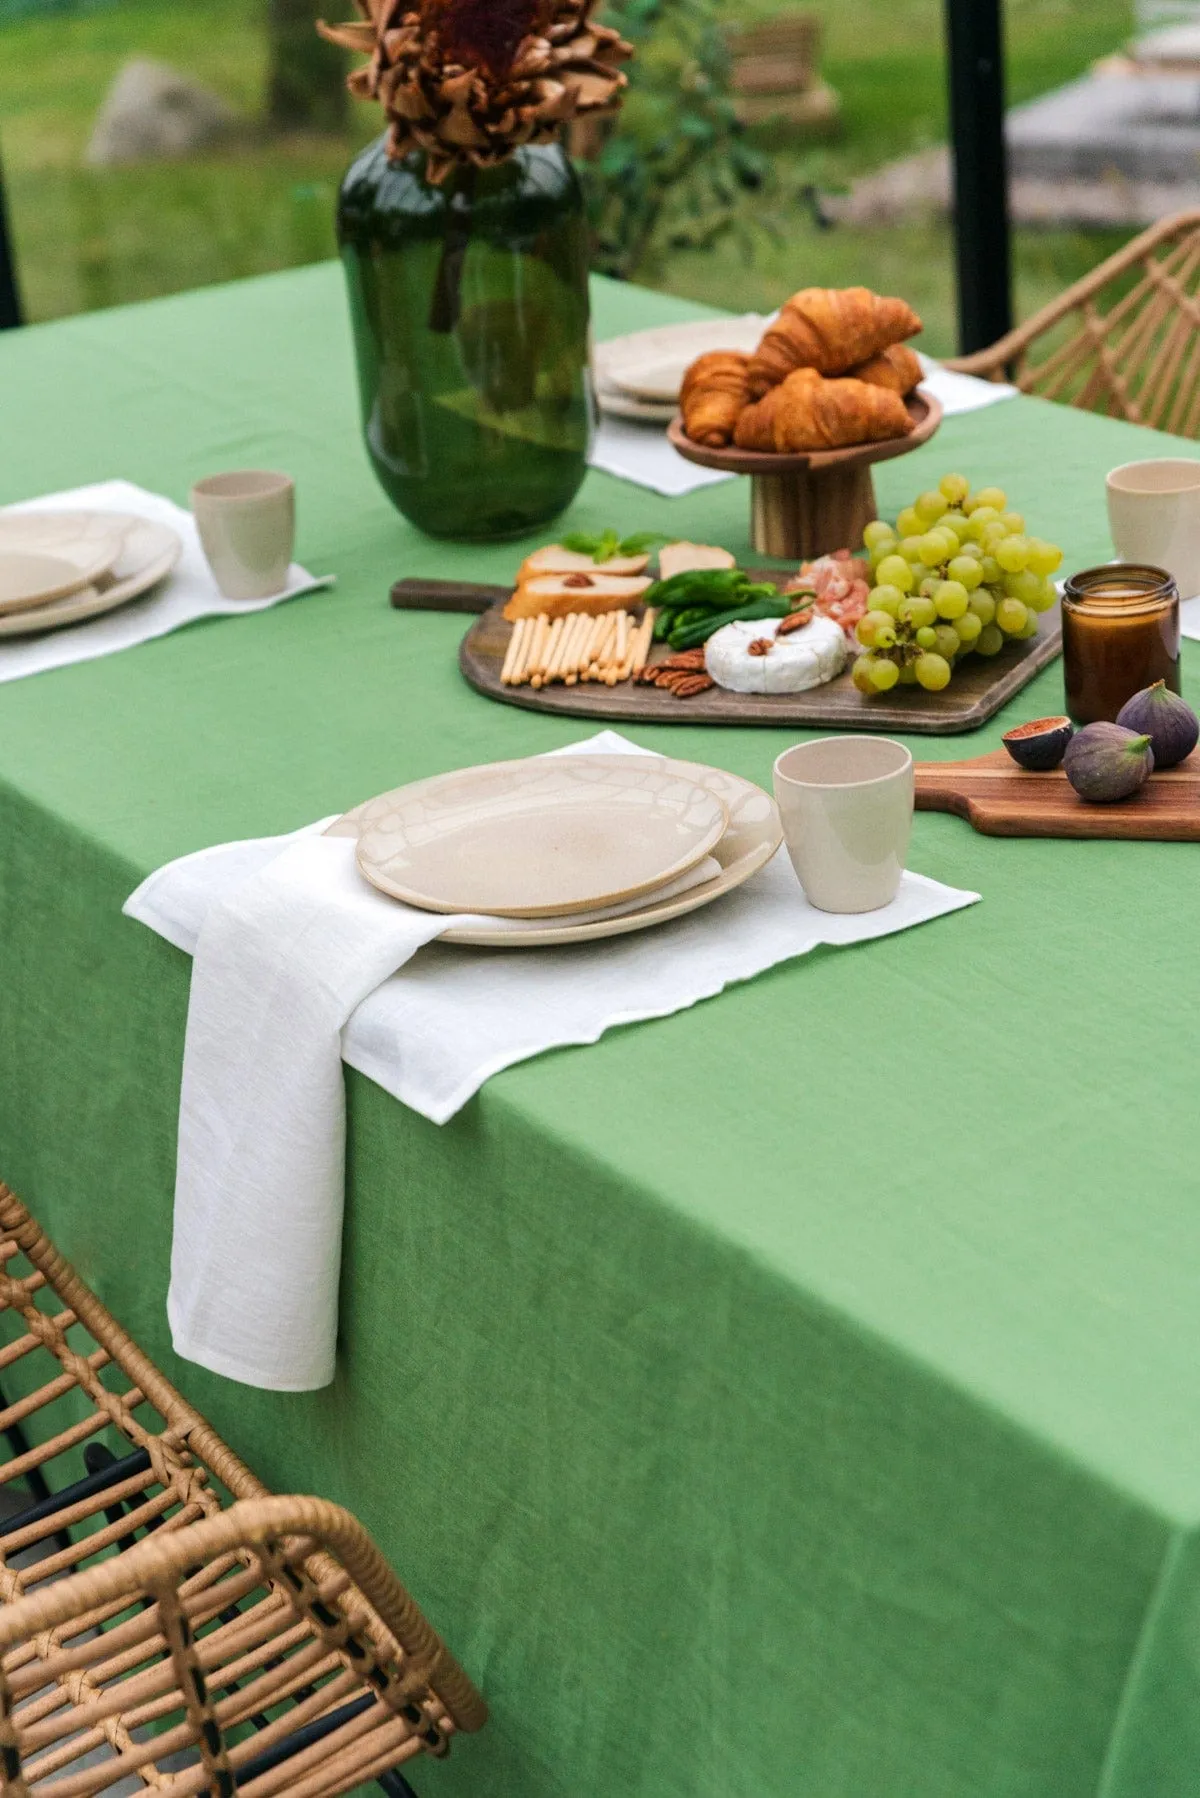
column 1120, row 633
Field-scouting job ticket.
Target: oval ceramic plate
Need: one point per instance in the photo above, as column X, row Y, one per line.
column 148, row 552
column 650, row 365
column 615, row 403
column 540, row 837
column 45, row 555
column 753, row 835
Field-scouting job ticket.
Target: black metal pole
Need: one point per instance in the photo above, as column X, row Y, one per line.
column 981, row 233
column 10, row 298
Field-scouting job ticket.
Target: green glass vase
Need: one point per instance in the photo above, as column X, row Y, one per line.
column 469, row 303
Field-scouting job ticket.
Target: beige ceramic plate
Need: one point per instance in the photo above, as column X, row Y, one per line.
column 540, row 837
column 616, row 403
column 44, row 555
column 753, row 835
column 148, row 553
column 650, row 365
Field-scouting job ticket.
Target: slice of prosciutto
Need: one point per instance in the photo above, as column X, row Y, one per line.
column 841, row 583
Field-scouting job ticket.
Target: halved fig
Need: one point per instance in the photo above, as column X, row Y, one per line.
column 1039, row 745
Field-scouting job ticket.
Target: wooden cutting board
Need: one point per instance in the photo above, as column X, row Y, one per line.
column 1001, row 800
column 979, row 688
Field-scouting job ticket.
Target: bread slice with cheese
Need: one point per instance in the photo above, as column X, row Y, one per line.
column 554, row 559
column 560, row 594
column 683, row 558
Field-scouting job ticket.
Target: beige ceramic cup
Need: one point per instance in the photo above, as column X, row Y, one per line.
column 247, row 526
column 1154, row 516
column 847, row 809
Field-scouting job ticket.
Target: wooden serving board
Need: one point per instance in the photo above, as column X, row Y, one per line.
column 1001, row 800
column 979, row 688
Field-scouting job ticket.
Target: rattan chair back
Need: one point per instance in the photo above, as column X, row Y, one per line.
column 1124, row 341
column 166, row 1623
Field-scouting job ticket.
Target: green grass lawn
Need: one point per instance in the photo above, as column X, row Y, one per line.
column 88, row 238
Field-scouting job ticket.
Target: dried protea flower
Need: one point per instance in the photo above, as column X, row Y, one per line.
column 470, row 80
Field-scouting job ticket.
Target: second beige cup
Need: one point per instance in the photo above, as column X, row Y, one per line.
column 847, row 809
column 247, row 526
column 1154, row 517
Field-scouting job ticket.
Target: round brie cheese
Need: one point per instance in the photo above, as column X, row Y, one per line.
column 805, row 658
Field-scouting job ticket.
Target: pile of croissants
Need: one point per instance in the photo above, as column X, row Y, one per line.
column 832, row 370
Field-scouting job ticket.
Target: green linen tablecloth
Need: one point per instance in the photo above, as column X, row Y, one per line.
column 794, row 1398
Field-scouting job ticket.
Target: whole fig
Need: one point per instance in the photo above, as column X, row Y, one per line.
column 1169, row 722
column 1105, row 762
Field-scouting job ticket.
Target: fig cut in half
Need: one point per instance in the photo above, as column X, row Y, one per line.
column 1039, row 745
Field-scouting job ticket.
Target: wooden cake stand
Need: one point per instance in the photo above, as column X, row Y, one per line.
column 806, row 505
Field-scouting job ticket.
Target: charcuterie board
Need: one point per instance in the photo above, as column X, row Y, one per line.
column 1001, row 800
column 980, row 686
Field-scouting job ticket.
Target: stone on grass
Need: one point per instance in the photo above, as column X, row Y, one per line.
column 153, row 113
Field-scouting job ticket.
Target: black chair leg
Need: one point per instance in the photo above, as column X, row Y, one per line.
column 10, row 297
column 395, row 1785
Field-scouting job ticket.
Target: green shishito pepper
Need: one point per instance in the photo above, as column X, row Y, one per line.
column 691, row 636
column 694, row 604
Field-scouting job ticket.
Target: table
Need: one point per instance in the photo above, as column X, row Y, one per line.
column 797, row 1397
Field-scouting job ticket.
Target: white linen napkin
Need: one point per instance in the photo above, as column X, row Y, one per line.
column 296, row 960
column 644, row 455
column 962, row 393
column 190, row 592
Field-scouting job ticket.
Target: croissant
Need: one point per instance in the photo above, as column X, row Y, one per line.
column 897, row 368
column 814, row 414
column 712, row 396
column 829, row 329
column 756, row 426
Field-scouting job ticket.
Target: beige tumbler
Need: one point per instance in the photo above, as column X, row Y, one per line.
column 847, row 810
column 247, row 526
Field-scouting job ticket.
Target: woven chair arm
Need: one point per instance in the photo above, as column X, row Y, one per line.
column 167, row 1558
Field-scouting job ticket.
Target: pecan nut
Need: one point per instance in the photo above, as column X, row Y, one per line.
column 761, row 646
column 691, row 684
column 795, row 621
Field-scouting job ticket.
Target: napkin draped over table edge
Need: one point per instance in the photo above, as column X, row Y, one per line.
column 296, row 960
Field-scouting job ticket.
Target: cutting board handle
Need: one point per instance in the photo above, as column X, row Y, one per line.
column 418, row 595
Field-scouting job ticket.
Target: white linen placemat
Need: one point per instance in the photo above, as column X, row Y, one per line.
column 296, row 960
column 190, row 592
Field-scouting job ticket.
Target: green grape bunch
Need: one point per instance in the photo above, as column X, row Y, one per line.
column 957, row 575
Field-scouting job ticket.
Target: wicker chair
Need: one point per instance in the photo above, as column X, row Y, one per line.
column 166, row 1622
column 1124, row 341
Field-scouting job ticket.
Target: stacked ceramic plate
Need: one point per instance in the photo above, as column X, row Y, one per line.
column 639, row 376
column 59, row 568
column 565, row 849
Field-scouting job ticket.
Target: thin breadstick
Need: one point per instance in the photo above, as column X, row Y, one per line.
column 570, row 661
column 514, row 650
column 604, row 648
column 594, row 639
column 520, row 673
column 622, row 634
column 547, row 656
column 569, row 630
column 537, row 642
